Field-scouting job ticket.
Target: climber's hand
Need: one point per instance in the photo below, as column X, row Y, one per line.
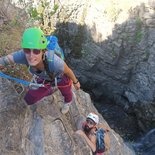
column 1, row 67
column 77, row 85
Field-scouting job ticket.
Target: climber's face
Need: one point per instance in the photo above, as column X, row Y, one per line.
column 33, row 56
column 90, row 122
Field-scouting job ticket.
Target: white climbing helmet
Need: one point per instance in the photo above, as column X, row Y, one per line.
column 93, row 117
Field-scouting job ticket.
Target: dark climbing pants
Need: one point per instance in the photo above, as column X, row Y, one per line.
column 65, row 87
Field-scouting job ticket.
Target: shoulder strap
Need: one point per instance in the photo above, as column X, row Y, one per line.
column 50, row 74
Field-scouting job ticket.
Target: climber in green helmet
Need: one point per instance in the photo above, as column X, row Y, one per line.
column 34, row 55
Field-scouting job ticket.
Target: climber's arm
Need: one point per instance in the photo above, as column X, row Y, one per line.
column 91, row 142
column 6, row 60
column 68, row 71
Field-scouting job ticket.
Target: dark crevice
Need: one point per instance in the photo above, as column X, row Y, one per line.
column 124, row 122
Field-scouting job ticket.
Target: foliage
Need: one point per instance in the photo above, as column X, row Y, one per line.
column 138, row 35
column 10, row 41
column 112, row 12
column 41, row 12
column 10, row 37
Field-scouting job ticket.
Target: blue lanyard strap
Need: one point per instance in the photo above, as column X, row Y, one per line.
column 26, row 83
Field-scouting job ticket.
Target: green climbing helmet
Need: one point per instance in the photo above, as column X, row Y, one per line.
column 34, row 38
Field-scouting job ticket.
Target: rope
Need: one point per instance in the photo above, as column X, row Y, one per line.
column 23, row 82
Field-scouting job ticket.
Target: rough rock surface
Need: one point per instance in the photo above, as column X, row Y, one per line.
column 41, row 129
column 113, row 41
column 115, row 44
column 146, row 145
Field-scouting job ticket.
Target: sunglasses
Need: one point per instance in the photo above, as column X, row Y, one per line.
column 28, row 51
column 91, row 122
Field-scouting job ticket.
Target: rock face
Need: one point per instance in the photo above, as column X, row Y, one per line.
column 111, row 46
column 115, row 43
column 146, row 144
column 41, row 129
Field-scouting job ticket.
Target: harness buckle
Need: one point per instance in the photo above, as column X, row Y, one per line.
column 35, row 86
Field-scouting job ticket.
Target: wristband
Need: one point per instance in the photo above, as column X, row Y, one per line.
column 75, row 82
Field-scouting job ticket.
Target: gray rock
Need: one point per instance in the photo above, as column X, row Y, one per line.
column 41, row 129
column 146, row 145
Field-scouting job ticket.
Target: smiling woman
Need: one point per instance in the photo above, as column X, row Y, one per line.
column 29, row 51
column 34, row 55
